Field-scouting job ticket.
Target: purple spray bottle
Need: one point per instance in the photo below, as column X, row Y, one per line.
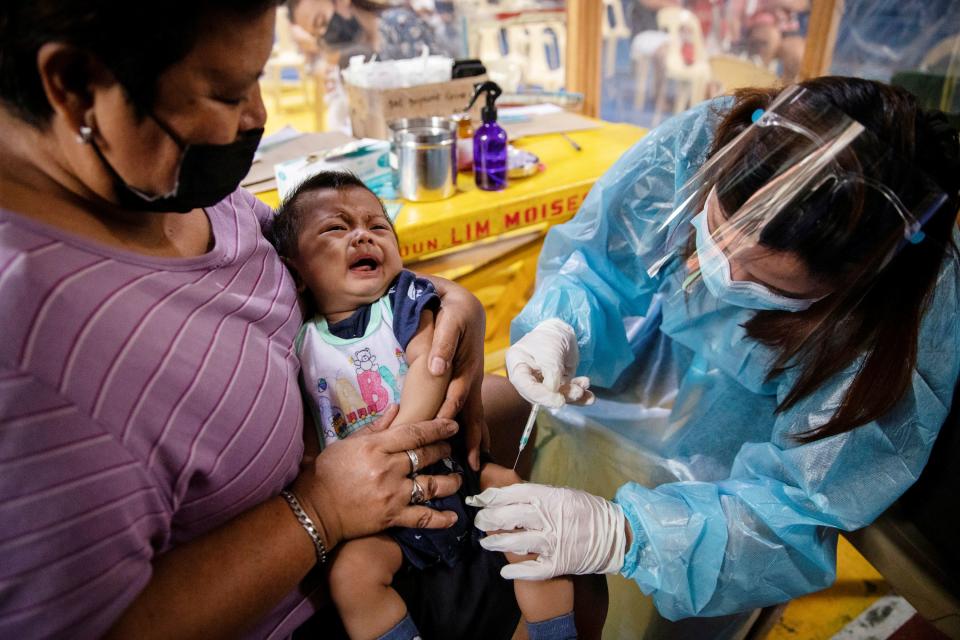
column 489, row 142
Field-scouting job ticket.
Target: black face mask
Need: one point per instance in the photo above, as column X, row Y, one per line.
column 341, row 30
column 207, row 174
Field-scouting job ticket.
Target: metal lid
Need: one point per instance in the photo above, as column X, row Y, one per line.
column 424, row 131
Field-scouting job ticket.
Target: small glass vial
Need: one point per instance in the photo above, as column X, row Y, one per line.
column 464, row 141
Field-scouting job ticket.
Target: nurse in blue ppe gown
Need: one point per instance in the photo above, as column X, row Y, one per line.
column 746, row 480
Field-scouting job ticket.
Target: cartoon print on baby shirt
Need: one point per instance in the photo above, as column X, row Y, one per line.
column 339, row 423
column 364, row 360
column 325, row 409
column 354, row 408
column 391, row 381
column 401, row 358
column 375, row 395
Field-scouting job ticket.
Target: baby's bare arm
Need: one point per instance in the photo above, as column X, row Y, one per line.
column 423, row 392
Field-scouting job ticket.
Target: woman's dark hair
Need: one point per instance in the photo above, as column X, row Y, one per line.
column 845, row 236
column 135, row 40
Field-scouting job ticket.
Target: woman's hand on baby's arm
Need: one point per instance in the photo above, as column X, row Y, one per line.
column 359, row 486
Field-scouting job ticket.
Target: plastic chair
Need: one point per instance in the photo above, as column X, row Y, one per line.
column 684, row 36
column 285, row 55
column 549, row 36
column 488, row 44
column 913, row 544
column 518, row 41
column 643, row 50
column 506, row 69
column 506, row 72
column 731, row 73
column 613, row 30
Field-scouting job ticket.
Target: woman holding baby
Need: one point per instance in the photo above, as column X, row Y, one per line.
column 150, row 415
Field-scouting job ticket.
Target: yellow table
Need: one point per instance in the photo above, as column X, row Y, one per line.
column 489, row 241
column 549, row 197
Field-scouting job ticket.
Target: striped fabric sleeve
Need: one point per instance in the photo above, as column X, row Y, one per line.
column 262, row 210
column 79, row 517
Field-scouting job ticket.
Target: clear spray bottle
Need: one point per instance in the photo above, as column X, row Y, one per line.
column 489, row 141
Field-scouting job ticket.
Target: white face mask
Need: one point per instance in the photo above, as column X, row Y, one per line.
column 715, row 271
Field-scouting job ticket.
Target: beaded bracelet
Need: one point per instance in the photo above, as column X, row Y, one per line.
column 307, row 524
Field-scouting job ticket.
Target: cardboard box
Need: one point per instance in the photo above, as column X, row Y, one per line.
column 372, row 109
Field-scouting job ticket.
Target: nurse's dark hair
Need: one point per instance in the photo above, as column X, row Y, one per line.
column 873, row 322
column 136, row 41
column 290, row 216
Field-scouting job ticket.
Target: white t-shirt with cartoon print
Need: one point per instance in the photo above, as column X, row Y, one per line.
column 353, row 369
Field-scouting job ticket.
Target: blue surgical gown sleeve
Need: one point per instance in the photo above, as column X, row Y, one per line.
column 593, row 270
column 767, row 533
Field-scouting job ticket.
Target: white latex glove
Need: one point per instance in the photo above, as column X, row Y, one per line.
column 540, row 365
column 573, row 531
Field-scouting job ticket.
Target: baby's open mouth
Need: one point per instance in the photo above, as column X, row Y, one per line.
column 364, row 264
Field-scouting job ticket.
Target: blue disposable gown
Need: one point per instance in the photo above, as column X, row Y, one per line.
column 743, row 516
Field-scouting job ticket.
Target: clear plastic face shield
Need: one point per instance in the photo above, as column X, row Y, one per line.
column 805, row 204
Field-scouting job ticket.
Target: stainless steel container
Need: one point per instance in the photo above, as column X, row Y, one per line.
column 426, row 154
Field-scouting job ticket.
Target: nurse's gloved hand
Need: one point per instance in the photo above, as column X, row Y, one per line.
column 541, row 363
column 573, row 532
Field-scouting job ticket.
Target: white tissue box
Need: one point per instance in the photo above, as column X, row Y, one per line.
column 367, row 159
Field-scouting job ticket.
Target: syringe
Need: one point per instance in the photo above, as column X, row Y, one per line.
column 526, row 432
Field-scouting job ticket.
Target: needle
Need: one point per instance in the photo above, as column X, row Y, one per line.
column 526, row 432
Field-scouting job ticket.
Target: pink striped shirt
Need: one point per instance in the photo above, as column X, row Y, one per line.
column 143, row 401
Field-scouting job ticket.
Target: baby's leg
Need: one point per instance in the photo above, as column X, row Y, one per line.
column 360, row 579
column 506, row 413
column 545, row 604
column 539, row 600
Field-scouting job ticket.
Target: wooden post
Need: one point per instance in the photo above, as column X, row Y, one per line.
column 583, row 68
column 821, row 37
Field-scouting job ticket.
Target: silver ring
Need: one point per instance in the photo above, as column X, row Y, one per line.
column 414, row 460
column 416, row 493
